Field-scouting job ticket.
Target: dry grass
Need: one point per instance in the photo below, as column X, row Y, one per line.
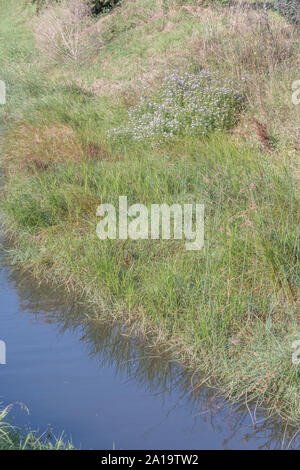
column 262, row 133
column 63, row 32
column 38, row 148
column 245, row 40
column 261, row 48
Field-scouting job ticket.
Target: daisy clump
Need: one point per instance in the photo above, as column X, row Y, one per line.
column 185, row 104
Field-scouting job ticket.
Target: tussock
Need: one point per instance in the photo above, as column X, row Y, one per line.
column 63, row 32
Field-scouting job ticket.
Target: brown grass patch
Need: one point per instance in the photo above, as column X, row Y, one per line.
column 96, row 152
column 33, row 148
column 245, row 40
column 262, row 133
column 104, row 87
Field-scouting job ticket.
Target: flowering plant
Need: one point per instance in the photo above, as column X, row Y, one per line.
column 185, row 104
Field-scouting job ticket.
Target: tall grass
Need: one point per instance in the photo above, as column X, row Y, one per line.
column 12, row 438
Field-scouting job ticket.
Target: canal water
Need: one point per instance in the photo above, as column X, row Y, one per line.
column 66, row 372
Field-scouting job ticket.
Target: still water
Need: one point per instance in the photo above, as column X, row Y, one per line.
column 67, row 372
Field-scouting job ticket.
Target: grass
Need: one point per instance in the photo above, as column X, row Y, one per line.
column 12, row 438
column 230, row 310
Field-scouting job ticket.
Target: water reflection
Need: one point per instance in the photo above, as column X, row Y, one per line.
column 133, row 360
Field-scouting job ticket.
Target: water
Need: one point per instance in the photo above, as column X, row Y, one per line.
column 103, row 388
column 67, row 372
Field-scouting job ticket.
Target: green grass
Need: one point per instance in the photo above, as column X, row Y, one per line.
column 229, row 310
column 12, row 438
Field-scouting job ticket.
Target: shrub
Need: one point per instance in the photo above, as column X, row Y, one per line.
column 62, row 31
column 42, row 3
column 186, row 104
column 97, row 6
column 290, row 9
column 100, row 6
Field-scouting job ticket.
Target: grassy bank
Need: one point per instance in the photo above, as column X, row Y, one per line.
column 229, row 310
column 12, row 438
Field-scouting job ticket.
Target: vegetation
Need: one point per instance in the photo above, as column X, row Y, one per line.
column 100, row 6
column 97, row 6
column 231, row 309
column 13, row 439
column 186, row 104
column 290, row 9
column 65, row 32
